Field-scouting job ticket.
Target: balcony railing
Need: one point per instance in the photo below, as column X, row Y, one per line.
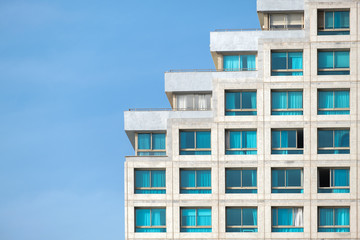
column 214, row 70
column 165, row 109
column 277, row 28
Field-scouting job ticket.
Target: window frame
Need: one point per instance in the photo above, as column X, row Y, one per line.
column 334, row 108
column 227, row 132
column 333, row 141
column 286, row 187
column 195, row 149
column 176, row 107
column 151, row 226
column 240, row 69
column 150, row 150
column 196, row 187
column 287, row 70
column 327, row 31
column 277, row 218
column 288, row 148
column 241, row 109
column 241, row 181
column 285, row 25
column 196, row 217
column 242, row 226
column 151, row 183
column 333, row 69
column 333, row 226
column 331, row 178
column 287, row 109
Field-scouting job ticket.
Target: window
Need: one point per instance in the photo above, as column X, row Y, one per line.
column 287, row 219
column 287, row 141
column 195, row 220
column 333, row 141
column 195, row 143
column 333, row 180
column 240, row 142
column 286, row 21
column 333, row 102
column 334, row 62
column 240, row 63
column 286, row 63
column 151, row 144
column 332, row 22
column 150, row 220
column 239, row 103
column 241, row 219
column 186, row 102
column 150, row 181
column 288, row 102
column 334, row 219
column 241, row 180
column 286, row 180
column 195, row 181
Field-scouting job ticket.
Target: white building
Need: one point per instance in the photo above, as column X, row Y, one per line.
column 263, row 147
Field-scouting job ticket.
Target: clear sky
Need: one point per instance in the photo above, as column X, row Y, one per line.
column 68, row 70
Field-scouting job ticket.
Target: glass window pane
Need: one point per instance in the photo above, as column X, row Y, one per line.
column 233, row 178
column 278, row 60
column 329, row 20
column 291, row 138
column 341, row 19
column 187, row 178
column 144, row 140
column 293, row 177
column 325, row 60
column 249, row 100
column 326, row 99
column 342, row 59
column 249, row 178
column 187, row 140
column 249, row 217
column 342, row 99
column 248, row 139
column 158, row 217
column 204, row 217
column 295, row 99
column 325, row 138
column 341, row 138
column 279, row 100
column 158, row 178
column 295, row 60
column 203, row 139
column 142, row 178
column 203, row 178
column 326, row 217
column 275, row 139
column 142, row 217
column 158, row 141
column 342, row 216
column 231, row 63
column 278, row 177
column 188, row 217
column 341, row 178
column 285, row 216
column 232, row 100
column 233, row 216
column 235, row 139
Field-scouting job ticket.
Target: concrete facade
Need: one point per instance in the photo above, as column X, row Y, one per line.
column 217, row 82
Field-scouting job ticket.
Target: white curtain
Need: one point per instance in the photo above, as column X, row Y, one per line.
column 193, row 101
column 298, row 217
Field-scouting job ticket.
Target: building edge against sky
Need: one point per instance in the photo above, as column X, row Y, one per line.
column 262, row 147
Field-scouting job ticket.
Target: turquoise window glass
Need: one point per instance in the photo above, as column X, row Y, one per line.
column 241, row 220
column 287, row 220
column 241, row 180
column 240, row 143
column 333, row 180
column 333, row 141
column 240, row 103
column 195, row 181
column 286, row 103
column 195, row 143
column 151, row 144
column 240, row 63
column 335, row 23
column 287, row 63
column 150, row 220
column 286, row 181
column 333, row 102
column 334, row 219
column 287, row 142
column 195, row 220
column 333, row 62
column 150, row 181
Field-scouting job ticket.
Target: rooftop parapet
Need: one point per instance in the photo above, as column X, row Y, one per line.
column 280, row 5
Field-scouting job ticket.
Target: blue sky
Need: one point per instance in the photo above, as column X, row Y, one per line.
column 68, row 70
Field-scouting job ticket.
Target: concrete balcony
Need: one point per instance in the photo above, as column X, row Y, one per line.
column 154, row 120
column 247, row 41
column 280, row 5
column 188, row 81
